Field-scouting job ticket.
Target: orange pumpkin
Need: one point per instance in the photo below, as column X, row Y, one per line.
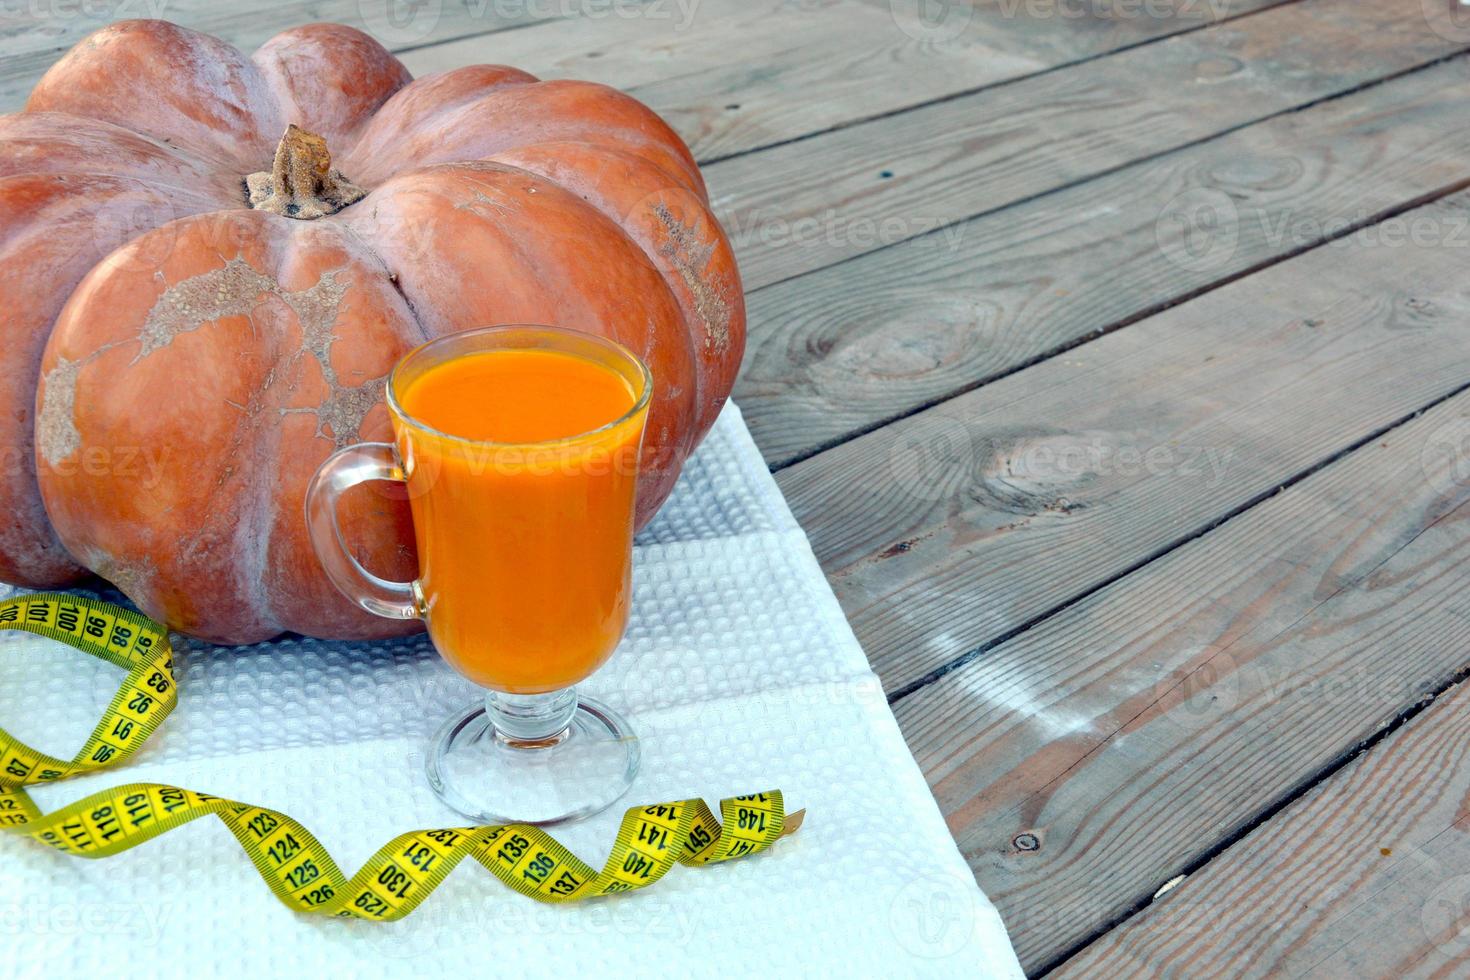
column 197, row 310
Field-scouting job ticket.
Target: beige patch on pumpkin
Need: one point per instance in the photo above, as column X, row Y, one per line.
column 691, row 255
column 234, row 290
column 133, row 576
column 345, row 408
column 56, row 427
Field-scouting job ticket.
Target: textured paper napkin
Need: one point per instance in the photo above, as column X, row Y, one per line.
column 740, row 674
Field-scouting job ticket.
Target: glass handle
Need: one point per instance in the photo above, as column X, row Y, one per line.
column 344, row 469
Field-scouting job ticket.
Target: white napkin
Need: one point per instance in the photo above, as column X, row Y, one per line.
column 740, row 674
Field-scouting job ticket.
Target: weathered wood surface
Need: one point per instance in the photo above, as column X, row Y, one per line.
column 844, row 350
column 946, row 530
column 823, row 64
column 798, row 207
column 634, row 43
column 1042, row 318
column 1147, row 724
column 1367, row 875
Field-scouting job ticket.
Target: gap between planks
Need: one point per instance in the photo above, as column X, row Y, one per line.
column 1160, row 769
column 999, row 767
column 959, row 663
column 781, row 389
column 1397, row 170
column 1307, row 785
column 1330, row 789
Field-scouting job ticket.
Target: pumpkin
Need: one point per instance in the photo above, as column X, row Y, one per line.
column 210, row 262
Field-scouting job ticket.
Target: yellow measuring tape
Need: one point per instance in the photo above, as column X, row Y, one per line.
column 298, row 869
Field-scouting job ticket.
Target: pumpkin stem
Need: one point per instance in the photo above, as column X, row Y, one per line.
column 301, row 183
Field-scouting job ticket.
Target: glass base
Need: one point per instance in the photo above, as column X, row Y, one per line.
column 542, row 760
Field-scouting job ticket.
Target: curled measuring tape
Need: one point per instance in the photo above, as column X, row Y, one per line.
column 294, row 864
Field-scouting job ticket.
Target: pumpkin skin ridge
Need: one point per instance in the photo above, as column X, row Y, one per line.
column 216, row 205
column 707, row 411
column 286, row 70
column 676, row 456
column 663, row 131
column 601, row 122
column 422, row 86
column 249, row 509
column 205, row 164
column 657, row 138
column 282, row 510
column 150, row 42
column 707, row 406
column 288, row 509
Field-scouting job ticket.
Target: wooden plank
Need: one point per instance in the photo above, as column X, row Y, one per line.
column 1366, row 876
column 958, row 525
column 800, row 207
column 736, row 75
column 846, row 349
column 29, row 44
column 1136, row 731
column 1087, row 26
column 630, row 42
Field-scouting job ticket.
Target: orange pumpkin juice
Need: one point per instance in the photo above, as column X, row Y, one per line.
column 522, row 499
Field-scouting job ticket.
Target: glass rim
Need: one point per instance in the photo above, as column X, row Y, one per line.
column 639, row 404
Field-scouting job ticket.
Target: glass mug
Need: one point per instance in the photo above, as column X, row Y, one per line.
column 519, row 448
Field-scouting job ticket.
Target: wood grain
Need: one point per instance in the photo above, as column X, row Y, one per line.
column 827, row 49
column 1365, row 876
column 851, row 347
column 953, row 527
column 736, row 75
column 800, row 207
column 1056, row 29
column 1150, row 722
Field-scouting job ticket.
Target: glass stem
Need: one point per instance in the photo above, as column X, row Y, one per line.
column 531, row 721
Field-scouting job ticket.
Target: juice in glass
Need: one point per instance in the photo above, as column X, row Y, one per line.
column 524, row 515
